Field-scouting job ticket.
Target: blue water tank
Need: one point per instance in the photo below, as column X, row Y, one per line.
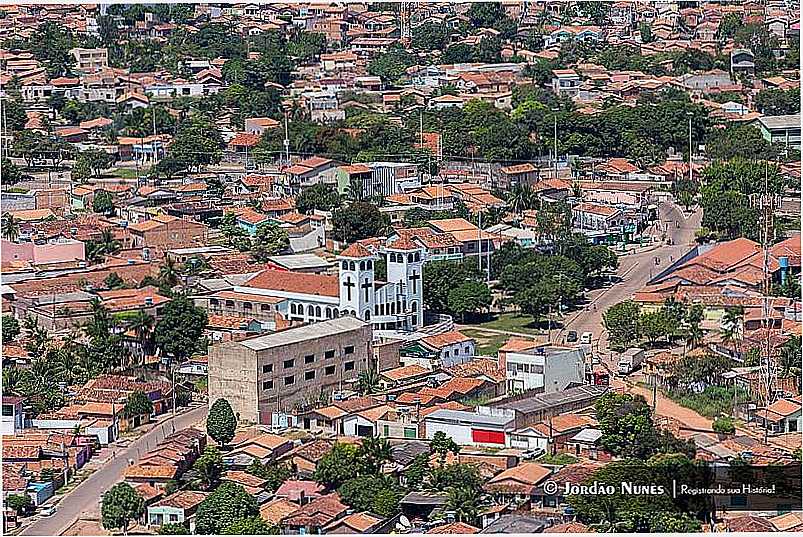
column 784, row 264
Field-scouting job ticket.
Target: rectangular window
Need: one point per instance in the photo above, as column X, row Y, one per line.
column 348, row 366
column 309, row 375
column 267, row 368
column 329, row 354
column 264, row 307
column 229, row 303
column 386, row 430
column 267, row 385
column 289, row 380
column 289, row 363
column 308, row 359
column 330, row 370
column 247, row 305
column 349, row 350
column 410, row 432
column 213, row 302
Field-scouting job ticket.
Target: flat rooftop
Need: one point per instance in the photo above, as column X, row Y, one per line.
column 304, row 333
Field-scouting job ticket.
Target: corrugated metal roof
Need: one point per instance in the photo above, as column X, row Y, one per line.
column 304, row 333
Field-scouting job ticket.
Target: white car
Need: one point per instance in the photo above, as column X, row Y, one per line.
column 50, row 510
column 586, row 338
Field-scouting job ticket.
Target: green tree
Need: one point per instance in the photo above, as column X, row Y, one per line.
column 10, row 227
column 654, row 325
column 367, row 493
column 209, row 467
column 338, row 466
column 320, row 197
column 391, row 65
column 178, row 332
column 21, row 503
column 416, row 473
column 723, row 425
column 137, row 404
column 197, row 143
column 430, row 36
column 469, row 298
column 103, row 203
column 250, row 526
column 221, row 422
column 373, row 453
column 269, row 240
column 358, row 221
column 442, row 445
column 466, row 504
column 743, row 141
column 439, row 279
column 16, row 118
column 174, row 529
column 121, row 504
column 778, row 102
column 227, row 505
column 10, row 328
column 113, row 281
column 96, row 160
column 274, row 473
column 622, row 323
column 12, row 174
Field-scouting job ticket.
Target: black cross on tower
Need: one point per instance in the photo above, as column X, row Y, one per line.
column 366, row 286
column 415, row 277
column 349, row 284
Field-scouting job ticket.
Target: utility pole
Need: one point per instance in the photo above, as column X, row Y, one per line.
column 173, row 382
column 286, row 140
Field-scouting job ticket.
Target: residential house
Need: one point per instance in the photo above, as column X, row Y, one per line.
column 314, row 516
column 178, row 508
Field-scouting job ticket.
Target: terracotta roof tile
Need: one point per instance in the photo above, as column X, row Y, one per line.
column 294, row 282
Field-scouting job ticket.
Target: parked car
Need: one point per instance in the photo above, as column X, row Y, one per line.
column 571, row 336
column 49, row 510
column 586, row 338
column 532, row 454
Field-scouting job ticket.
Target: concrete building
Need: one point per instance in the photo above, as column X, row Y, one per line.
column 90, row 60
column 783, row 130
column 485, row 427
column 547, row 369
column 267, row 378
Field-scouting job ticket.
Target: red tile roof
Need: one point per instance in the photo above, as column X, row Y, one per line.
column 294, row 282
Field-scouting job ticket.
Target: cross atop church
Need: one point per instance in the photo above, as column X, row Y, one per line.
column 366, row 286
column 349, row 284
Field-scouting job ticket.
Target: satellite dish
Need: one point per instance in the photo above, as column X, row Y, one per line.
column 405, row 522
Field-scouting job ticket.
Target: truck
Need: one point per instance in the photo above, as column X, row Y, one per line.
column 630, row 360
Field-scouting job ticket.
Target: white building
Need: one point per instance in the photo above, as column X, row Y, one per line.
column 485, row 427
column 545, row 368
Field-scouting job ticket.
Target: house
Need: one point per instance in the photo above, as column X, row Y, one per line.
column 518, row 174
column 263, row 448
column 441, row 350
column 259, row 125
column 517, row 483
column 544, row 368
column 782, row 416
column 309, row 172
column 481, row 428
column 178, row 508
column 782, row 130
column 314, row 516
column 356, row 523
column 299, row 491
column 13, row 415
column 565, row 82
column 274, row 511
column 163, row 233
column 742, row 62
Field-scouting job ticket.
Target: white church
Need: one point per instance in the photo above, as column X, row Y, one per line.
column 393, row 305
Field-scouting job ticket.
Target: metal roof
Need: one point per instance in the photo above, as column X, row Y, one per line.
column 543, row 401
column 300, row 261
column 304, row 333
column 781, row 122
column 469, row 418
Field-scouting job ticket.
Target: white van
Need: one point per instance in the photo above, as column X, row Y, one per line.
column 585, row 339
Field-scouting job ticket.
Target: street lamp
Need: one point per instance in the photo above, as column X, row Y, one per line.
column 555, row 155
column 689, row 114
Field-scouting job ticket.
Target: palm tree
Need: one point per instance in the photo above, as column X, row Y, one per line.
column 354, row 190
column 732, row 326
column 374, row 452
column 10, row 227
column 13, row 380
column 520, row 198
column 105, row 245
column 168, row 273
column 465, row 502
column 789, row 359
column 142, row 325
column 68, row 364
column 368, row 381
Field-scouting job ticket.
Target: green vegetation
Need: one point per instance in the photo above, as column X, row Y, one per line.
column 221, row 422
column 560, row 459
column 121, row 505
column 511, row 322
column 488, row 343
column 711, row 402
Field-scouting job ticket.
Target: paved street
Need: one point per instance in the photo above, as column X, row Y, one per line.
column 84, row 499
column 635, row 271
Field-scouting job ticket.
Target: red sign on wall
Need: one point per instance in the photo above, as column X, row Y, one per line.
column 487, row 437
